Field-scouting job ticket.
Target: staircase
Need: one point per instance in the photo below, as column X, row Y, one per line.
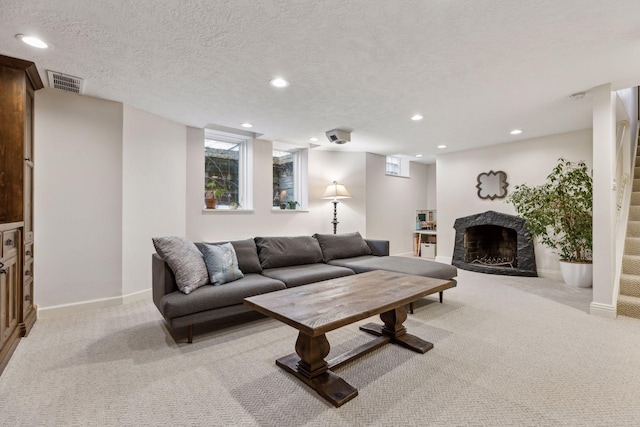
column 629, row 298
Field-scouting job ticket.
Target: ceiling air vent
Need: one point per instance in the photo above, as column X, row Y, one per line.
column 65, row 82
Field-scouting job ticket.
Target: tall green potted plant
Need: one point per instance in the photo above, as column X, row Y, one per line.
column 559, row 214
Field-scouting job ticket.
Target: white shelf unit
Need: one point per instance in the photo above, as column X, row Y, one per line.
column 425, row 241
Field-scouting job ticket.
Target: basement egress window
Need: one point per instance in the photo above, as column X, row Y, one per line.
column 227, row 170
column 290, row 177
column 397, row 166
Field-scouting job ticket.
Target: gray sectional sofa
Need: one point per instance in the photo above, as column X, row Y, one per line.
column 274, row 263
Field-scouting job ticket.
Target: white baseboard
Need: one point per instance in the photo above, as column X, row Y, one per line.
column 145, row 295
column 603, row 310
column 405, row 254
column 78, row 307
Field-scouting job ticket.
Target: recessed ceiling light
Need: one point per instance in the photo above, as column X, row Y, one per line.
column 417, row 117
column 441, row 146
column 313, row 139
column 246, row 125
column 516, row 132
column 418, row 155
column 32, row 41
column 279, row 82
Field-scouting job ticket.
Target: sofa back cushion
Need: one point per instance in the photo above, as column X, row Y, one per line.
column 247, row 254
column 277, row 252
column 338, row 246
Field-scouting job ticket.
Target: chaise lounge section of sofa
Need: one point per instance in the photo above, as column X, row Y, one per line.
column 273, row 263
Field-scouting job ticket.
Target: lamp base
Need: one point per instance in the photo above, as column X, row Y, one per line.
column 335, row 216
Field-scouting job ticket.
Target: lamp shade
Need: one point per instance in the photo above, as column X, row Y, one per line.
column 336, row 191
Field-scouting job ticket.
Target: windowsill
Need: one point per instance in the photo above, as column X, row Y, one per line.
column 227, row 211
column 288, row 210
column 397, row 176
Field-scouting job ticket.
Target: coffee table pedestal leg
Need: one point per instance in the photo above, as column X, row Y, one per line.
column 394, row 329
column 309, row 365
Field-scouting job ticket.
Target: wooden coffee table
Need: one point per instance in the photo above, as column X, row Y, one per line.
column 318, row 308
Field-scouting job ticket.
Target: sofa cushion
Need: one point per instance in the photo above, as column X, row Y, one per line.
column 222, row 263
column 177, row 304
column 336, row 246
column 247, row 253
column 275, row 252
column 304, row 274
column 398, row 264
column 185, row 260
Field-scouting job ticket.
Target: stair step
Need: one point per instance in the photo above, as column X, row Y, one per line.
column 634, row 213
column 636, row 185
column 635, row 198
column 629, row 306
column 633, row 229
column 630, row 285
column 632, row 246
column 631, row 264
column 636, row 171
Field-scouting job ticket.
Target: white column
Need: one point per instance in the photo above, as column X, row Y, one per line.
column 604, row 213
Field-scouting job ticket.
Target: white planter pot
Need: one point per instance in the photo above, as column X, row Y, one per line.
column 579, row 274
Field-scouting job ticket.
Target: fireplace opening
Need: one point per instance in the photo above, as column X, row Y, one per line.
column 495, row 243
column 491, row 246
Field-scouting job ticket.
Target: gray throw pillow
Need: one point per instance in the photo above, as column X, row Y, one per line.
column 338, row 246
column 246, row 252
column 184, row 259
column 222, row 263
column 277, row 252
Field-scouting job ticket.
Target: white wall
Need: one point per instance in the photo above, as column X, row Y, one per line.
column 432, row 199
column 392, row 202
column 77, row 198
column 324, row 167
column 109, row 177
column 154, row 182
column 348, row 169
column 528, row 161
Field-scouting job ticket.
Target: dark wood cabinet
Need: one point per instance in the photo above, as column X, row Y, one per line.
column 19, row 80
column 9, row 296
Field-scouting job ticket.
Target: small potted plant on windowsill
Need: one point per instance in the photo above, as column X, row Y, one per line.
column 560, row 214
column 212, row 193
column 292, row 204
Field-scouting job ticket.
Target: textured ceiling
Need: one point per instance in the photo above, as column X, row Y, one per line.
column 473, row 69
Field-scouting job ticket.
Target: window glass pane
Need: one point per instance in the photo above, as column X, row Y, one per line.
column 284, row 179
column 222, row 172
column 393, row 165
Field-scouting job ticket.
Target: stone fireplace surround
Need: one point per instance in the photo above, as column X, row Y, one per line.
column 497, row 236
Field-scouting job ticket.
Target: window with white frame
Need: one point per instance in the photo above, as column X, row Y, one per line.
column 397, row 166
column 290, row 180
column 393, row 165
column 227, row 170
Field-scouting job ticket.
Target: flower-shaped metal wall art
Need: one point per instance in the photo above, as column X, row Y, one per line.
column 492, row 185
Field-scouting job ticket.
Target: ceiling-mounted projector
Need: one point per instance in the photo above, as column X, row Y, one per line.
column 339, row 136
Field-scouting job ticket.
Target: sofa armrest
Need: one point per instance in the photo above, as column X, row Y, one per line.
column 163, row 280
column 378, row 247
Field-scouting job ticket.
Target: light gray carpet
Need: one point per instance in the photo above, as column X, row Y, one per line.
column 508, row 351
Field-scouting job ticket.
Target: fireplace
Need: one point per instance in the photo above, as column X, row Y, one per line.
column 495, row 243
